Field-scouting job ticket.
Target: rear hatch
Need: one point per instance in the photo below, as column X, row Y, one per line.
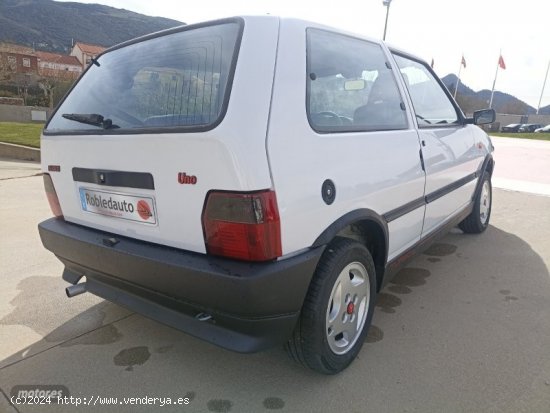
column 155, row 124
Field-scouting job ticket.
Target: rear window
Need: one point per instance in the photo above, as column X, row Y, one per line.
column 176, row 81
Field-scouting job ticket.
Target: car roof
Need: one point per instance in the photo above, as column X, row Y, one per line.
column 291, row 20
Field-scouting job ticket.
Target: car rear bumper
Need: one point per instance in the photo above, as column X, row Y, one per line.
column 253, row 306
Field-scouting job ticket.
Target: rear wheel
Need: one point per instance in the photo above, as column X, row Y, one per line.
column 338, row 309
column 478, row 220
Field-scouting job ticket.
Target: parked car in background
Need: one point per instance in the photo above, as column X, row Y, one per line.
column 529, row 127
column 512, row 127
column 545, row 129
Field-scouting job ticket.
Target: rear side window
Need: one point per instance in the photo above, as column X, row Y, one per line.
column 179, row 80
column 349, row 85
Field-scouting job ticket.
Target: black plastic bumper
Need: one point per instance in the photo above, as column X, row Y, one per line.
column 253, row 306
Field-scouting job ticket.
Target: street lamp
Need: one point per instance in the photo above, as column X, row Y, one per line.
column 387, row 4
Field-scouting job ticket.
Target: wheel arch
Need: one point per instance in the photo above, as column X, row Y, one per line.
column 367, row 227
column 486, row 168
column 490, row 164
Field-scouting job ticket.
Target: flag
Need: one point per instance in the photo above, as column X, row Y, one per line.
column 463, row 62
column 432, row 64
column 501, row 62
column 500, row 65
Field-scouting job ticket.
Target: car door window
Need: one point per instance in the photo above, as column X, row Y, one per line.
column 431, row 104
column 349, row 85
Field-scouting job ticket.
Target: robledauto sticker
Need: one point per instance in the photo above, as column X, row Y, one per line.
column 130, row 207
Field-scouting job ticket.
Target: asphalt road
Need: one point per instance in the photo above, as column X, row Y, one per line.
column 464, row 328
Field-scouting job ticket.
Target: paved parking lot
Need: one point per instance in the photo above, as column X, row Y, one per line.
column 523, row 165
column 464, row 328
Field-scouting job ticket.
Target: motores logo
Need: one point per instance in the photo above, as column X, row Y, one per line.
column 125, row 206
column 38, row 394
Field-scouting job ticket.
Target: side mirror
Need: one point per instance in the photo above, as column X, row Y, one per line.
column 483, row 117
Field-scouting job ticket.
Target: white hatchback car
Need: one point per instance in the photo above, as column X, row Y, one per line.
column 256, row 181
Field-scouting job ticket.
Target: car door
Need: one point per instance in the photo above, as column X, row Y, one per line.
column 447, row 144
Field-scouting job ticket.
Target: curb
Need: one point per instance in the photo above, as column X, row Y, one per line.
column 22, row 153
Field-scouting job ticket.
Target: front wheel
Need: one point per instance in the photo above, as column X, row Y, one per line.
column 338, row 309
column 478, row 220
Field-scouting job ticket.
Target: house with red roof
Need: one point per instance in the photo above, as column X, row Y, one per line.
column 86, row 52
column 17, row 59
column 58, row 65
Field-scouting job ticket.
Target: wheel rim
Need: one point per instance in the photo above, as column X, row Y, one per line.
column 485, row 203
column 347, row 309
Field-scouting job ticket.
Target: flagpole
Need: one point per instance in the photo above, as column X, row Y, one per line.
column 458, row 80
column 543, row 86
column 494, row 83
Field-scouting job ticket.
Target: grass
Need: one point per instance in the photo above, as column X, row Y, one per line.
column 538, row 136
column 27, row 134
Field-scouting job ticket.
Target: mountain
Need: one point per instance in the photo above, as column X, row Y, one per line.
column 450, row 82
column 52, row 25
column 469, row 100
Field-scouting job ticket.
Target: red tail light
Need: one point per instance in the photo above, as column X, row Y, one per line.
column 52, row 196
column 243, row 226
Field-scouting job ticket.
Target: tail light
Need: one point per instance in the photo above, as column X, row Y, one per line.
column 53, row 200
column 245, row 226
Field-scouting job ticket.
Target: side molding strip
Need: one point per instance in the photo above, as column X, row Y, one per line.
column 433, row 196
column 451, row 187
column 404, row 209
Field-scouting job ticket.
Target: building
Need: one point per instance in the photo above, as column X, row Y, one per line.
column 16, row 60
column 85, row 52
column 58, row 65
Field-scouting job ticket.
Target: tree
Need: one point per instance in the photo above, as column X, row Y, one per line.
column 8, row 68
column 54, row 81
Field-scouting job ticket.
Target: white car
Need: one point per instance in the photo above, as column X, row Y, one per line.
column 544, row 129
column 256, row 181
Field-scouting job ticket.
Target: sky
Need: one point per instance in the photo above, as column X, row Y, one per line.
column 442, row 30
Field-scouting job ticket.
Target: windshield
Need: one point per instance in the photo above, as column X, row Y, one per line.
column 179, row 80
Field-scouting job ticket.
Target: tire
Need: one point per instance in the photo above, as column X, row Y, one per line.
column 331, row 331
column 478, row 220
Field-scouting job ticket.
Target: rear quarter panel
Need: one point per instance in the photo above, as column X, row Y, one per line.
column 374, row 170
